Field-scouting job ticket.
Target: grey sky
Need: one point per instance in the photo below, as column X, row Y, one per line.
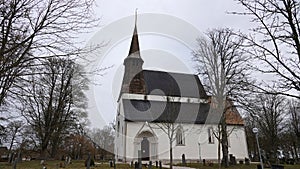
column 158, row 52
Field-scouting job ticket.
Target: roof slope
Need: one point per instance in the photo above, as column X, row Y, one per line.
column 160, row 111
column 168, row 84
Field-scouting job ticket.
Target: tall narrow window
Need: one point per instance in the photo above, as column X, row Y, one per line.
column 179, row 137
column 210, row 136
column 118, row 128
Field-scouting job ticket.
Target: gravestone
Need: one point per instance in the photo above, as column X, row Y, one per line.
column 183, row 160
column 160, row 166
column 232, row 159
column 140, row 159
column 88, row 161
column 247, row 161
column 150, row 165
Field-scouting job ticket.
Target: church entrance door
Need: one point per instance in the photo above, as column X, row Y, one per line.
column 145, row 149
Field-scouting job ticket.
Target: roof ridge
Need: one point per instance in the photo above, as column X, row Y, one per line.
column 150, row 70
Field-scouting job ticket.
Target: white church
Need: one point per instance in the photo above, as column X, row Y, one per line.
column 151, row 99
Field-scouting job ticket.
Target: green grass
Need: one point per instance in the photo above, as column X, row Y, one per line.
column 238, row 166
column 80, row 165
column 55, row 164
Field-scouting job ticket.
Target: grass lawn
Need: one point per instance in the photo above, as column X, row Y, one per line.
column 80, row 165
column 55, row 165
column 238, row 166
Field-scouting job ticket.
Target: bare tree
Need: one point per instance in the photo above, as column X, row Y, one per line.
column 224, row 66
column 250, row 137
column 271, row 110
column 168, row 124
column 54, row 103
column 275, row 42
column 294, row 127
column 34, row 30
column 13, row 131
column 104, row 138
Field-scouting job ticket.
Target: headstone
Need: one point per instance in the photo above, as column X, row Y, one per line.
column 114, row 163
column 160, row 166
column 183, row 160
column 66, row 160
column 88, row 161
column 232, row 159
column 140, row 159
column 69, row 160
column 150, row 165
column 247, row 161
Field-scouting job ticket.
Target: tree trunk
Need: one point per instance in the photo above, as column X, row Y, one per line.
column 295, row 151
column 10, row 147
column 219, row 149
column 44, row 146
column 54, row 150
column 171, row 155
column 224, row 143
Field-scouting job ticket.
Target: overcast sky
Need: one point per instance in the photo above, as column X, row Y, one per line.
column 168, row 29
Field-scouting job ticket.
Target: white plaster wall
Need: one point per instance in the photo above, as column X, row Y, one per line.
column 238, row 143
column 120, row 135
column 194, row 134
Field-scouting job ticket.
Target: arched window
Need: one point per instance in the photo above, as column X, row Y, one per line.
column 180, row 137
column 210, row 136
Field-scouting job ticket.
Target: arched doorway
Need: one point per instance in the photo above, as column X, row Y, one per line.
column 145, row 149
column 146, row 141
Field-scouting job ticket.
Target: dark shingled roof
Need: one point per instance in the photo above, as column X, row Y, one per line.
column 134, row 47
column 160, row 111
column 169, row 84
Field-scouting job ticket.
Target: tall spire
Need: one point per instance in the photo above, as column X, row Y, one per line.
column 134, row 47
column 133, row 80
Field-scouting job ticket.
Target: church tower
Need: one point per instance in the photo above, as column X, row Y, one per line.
column 133, row 81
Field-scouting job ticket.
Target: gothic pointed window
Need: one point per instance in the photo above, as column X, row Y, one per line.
column 180, row 137
column 210, row 136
